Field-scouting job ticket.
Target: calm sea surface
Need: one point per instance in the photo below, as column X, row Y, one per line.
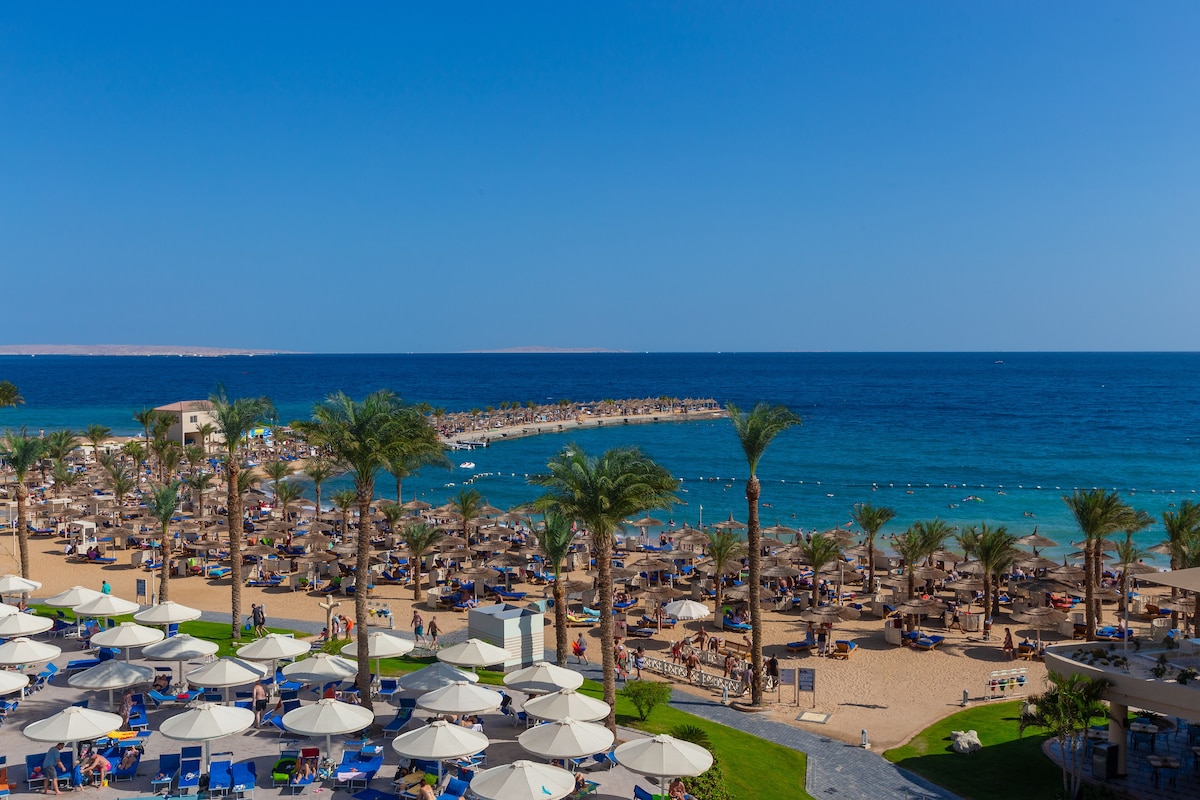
column 919, row 432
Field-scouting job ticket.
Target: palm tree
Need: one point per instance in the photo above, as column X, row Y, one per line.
column 162, row 503
column 420, row 537
column 276, row 471
column 194, row 454
column 234, row 419
column 318, row 470
column 10, row 396
column 96, row 435
column 871, row 518
column 600, row 492
column 921, row 540
column 1065, row 711
column 60, row 444
column 723, row 549
column 1183, row 542
column 995, row 549
column 121, row 483
column 817, row 552
column 145, row 417
column 135, row 451
column 555, row 539
column 422, row 452
column 467, row 504
column 197, row 484
column 1098, row 513
column 362, row 438
column 63, row 475
column 22, row 452
column 206, row 430
column 755, row 430
column 343, row 501
column 285, row 495
column 169, row 453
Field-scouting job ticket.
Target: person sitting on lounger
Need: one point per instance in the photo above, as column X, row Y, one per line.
column 129, row 759
column 91, row 764
column 677, row 791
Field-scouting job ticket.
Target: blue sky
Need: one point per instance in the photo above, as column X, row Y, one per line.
column 642, row 176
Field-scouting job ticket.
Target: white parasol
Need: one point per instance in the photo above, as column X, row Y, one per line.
column 273, row 647
column 7, row 611
column 12, row 681
column 435, row 676
column 460, row 697
column 327, row 717
column 204, row 722
column 663, row 757
column 567, row 703
column 106, row 605
column 226, row 672
column 73, row 724
column 684, row 610
column 111, row 675
column 23, row 650
column 438, row 741
column 127, row 636
column 167, row 612
column 180, row 648
column 321, row 668
column 542, row 678
column 380, row 644
column 566, row 738
column 523, row 780
column 15, row 584
column 69, row 598
column 473, row 653
column 23, row 625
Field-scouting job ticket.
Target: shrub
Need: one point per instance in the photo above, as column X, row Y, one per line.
column 645, row 695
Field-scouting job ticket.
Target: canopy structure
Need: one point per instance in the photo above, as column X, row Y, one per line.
column 273, row 647
column 70, row 598
column 567, row 703
column 73, row 724
column 167, row 613
column 523, row 780
column 111, row 675
column 127, row 636
column 460, row 697
column 1188, row 579
column 542, row 678
column 566, row 738
column 473, row 653
column 380, row 644
column 435, row 676
column 327, row 717
column 19, row 624
column 106, row 605
column 321, row 668
column 205, row 722
column 15, row 584
column 438, row 741
column 180, row 648
column 12, row 681
column 23, row 650
column 663, row 757
column 226, row 672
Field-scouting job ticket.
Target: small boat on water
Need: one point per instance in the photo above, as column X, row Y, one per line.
column 467, row 465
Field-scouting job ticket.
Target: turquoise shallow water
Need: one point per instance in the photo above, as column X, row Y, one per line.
column 919, row 432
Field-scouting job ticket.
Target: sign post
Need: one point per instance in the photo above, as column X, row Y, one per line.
column 806, row 681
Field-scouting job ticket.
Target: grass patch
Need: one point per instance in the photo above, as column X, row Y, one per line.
column 989, row 774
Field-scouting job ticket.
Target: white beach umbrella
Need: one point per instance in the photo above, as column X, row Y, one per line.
column 566, row 738
column 438, row 741
column 327, row 717
column 7, row 611
column 321, row 668
column 180, row 648
column 167, row 613
column 473, row 653
column 111, row 675
column 15, row 584
column 23, row 650
column 273, row 647
column 204, row 722
column 663, row 757
column 12, row 681
column 106, row 605
column 127, row 636
column 523, row 780
column 23, row 625
column 226, row 672
column 542, row 678
column 460, row 697
column 687, row 610
column 380, row 644
column 70, row 598
column 567, row 703
column 73, row 724
column 435, row 676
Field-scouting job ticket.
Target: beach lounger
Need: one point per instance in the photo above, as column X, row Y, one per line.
column 168, row 771
column 842, row 648
column 220, row 778
column 576, row 621
column 928, row 642
column 641, row 794
column 245, row 778
column 127, row 774
column 189, row 775
column 728, row 624
column 641, row 633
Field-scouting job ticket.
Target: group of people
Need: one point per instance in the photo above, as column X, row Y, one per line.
column 92, row 766
column 423, row 635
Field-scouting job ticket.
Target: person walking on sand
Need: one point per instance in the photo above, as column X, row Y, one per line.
column 433, row 633
column 418, row 626
column 580, row 649
column 52, row 765
column 1008, row 644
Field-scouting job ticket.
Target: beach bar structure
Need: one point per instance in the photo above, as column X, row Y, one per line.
column 189, row 416
column 519, row 630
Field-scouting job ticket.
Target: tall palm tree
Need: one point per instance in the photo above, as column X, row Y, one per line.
column 285, row 495
column 426, row 451
column 234, row 419
column 819, row 552
column 601, row 492
column 64, row 476
column 146, row 418
column 1065, row 711
column 22, row 452
column 135, row 451
column 168, row 453
column 277, row 471
column 1182, row 544
column 555, row 539
column 467, row 504
column 421, row 538
column 755, row 430
column 318, row 470
column 871, row 519
column 1098, row 513
column 197, row 484
column 194, row 454
column 362, row 438
column 10, row 396
column 121, row 482
column 723, row 549
column 343, row 501
column 162, row 503
column 60, row 444
column 995, row 549
column 96, row 435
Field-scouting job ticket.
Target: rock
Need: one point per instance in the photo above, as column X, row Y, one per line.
column 965, row 742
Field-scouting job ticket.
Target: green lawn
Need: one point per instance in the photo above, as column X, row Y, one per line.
column 1008, row 766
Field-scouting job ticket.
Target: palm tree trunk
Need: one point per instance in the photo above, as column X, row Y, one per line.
column 164, row 570
column 753, row 544
column 361, row 579
column 233, row 504
column 870, row 588
column 1097, row 569
column 1089, row 589
column 603, row 548
column 22, row 528
column 561, row 646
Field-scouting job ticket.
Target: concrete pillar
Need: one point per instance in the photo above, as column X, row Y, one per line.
column 1117, row 715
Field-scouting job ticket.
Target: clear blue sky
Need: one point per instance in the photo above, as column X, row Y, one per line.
column 642, row 176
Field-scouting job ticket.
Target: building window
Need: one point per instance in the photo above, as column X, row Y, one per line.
column 192, row 419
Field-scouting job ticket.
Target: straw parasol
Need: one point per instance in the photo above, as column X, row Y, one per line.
column 1035, row 541
column 566, row 738
column 920, row 606
column 23, row 650
column 730, row 524
column 460, row 697
column 829, row 614
column 523, row 780
column 204, row 722
column 543, row 677
column 567, row 703
column 327, row 717
column 1040, row 617
column 435, row 676
column 473, row 653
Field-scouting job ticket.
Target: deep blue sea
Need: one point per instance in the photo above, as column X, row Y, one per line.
column 919, row 432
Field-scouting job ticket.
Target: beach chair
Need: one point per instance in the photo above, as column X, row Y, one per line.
column 388, row 687
column 245, row 778
column 189, row 776
column 126, row 774
column 842, row 648
column 641, row 794
column 312, row 756
column 1025, row 651
column 454, row 789
column 220, row 778
column 928, row 642
column 168, row 771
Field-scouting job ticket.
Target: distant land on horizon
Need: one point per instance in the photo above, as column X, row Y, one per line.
column 127, row 350
column 543, row 349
